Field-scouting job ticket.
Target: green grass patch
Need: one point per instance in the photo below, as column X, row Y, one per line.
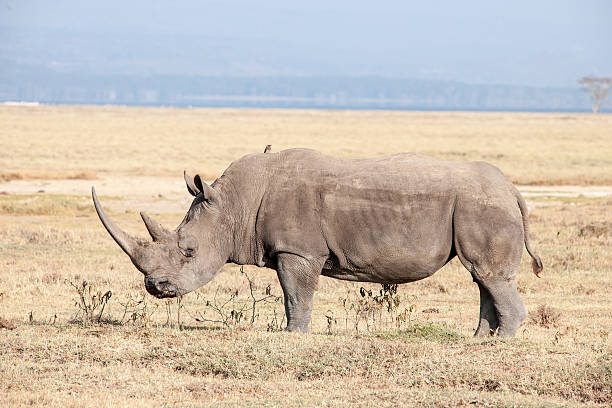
column 426, row 331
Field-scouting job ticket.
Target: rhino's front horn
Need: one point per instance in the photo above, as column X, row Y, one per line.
column 156, row 230
column 125, row 241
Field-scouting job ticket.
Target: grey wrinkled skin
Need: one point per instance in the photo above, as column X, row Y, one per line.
column 393, row 219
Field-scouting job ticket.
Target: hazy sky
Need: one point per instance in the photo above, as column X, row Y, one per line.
column 543, row 43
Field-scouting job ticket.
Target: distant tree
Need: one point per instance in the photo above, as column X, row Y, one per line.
column 598, row 88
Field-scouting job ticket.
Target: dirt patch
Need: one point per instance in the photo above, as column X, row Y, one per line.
column 587, row 191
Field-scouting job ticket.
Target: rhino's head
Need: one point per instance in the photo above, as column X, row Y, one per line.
column 177, row 262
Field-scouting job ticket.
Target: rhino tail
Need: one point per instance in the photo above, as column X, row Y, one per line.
column 536, row 262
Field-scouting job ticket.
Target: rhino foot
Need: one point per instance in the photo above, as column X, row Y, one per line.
column 504, row 302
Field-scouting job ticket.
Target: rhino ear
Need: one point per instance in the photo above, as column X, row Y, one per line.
column 209, row 193
column 191, row 186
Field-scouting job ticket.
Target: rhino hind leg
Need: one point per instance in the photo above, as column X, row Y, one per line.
column 510, row 308
column 488, row 315
column 298, row 277
column 489, row 243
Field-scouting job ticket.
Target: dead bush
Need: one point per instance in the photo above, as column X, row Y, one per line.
column 545, row 316
column 5, row 324
column 91, row 302
column 377, row 310
column 596, row 229
column 230, row 311
column 137, row 310
column 582, row 290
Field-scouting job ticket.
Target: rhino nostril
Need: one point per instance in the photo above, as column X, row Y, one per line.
column 149, row 284
column 163, row 284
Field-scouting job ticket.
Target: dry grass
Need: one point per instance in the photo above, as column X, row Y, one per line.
column 82, row 175
column 530, row 148
column 148, row 352
column 44, row 204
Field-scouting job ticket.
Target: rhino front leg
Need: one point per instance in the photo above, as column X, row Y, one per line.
column 298, row 277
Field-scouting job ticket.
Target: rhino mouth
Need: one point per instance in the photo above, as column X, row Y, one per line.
column 161, row 289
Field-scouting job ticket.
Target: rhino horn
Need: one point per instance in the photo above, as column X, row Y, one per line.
column 124, row 240
column 156, row 230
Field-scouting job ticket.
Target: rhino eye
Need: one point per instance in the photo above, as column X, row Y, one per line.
column 187, row 246
column 188, row 252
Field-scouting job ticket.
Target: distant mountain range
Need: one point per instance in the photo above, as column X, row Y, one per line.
column 319, row 92
column 149, row 67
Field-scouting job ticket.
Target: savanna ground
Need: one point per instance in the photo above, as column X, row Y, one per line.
column 410, row 348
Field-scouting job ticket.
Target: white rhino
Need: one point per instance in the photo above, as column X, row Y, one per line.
column 393, row 219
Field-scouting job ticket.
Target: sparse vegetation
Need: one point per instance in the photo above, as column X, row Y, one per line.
column 137, row 309
column 5, row 324
column 43, row 204
column 90, row 302
column 545, row 316
column 413, row 343
column 231, row 309
column 377, row 308
column 596, row 229
column 81, row 175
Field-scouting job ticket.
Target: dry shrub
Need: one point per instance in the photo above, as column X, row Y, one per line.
column 596, row 229
column 378, row 310
column 4, row 177
column 5, row 324
column 51, row 278
column 137, row 310
column 230, row 308
column 91, row 302
column 582, row 290
column 82, row 175
column 545, row 316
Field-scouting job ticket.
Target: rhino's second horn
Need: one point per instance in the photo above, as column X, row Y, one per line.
column 156, row 230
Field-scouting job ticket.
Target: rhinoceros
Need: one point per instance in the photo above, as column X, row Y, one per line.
column 394, row 219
